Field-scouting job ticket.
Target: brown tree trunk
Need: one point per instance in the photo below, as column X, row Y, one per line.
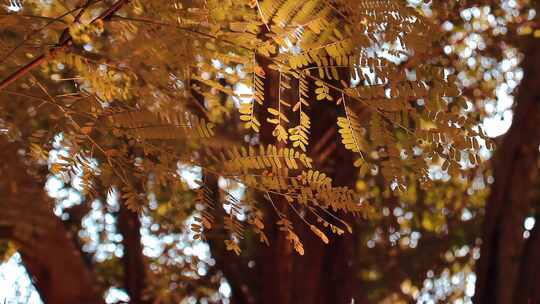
column 48, row 249
column 275, row 261
column 326, row 273
column 329, row 273
column 234, row 268
column 528, row 290
column 133, row 262
column 509, row 201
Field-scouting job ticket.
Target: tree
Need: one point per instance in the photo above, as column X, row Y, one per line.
column 338, row 150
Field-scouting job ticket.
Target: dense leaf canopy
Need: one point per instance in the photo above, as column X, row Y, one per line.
column 190, row 145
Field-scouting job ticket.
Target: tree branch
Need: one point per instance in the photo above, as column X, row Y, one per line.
column 62, row 45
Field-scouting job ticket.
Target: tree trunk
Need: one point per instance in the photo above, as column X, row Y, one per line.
column 326, row 273
column 133, row 262
column 509, row 201
column 276, row 261
column 49, row 251
column 528, row 290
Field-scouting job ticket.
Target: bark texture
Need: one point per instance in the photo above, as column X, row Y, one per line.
column 49, row 251
column 326, row 273
column 133, row 262
column 528, row 290
column 498, row 269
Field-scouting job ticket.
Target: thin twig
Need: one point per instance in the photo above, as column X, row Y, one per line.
column 274, row 60
column 76, row 124
column 51, row 21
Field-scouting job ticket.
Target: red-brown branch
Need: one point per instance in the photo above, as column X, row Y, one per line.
column 107, row 14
